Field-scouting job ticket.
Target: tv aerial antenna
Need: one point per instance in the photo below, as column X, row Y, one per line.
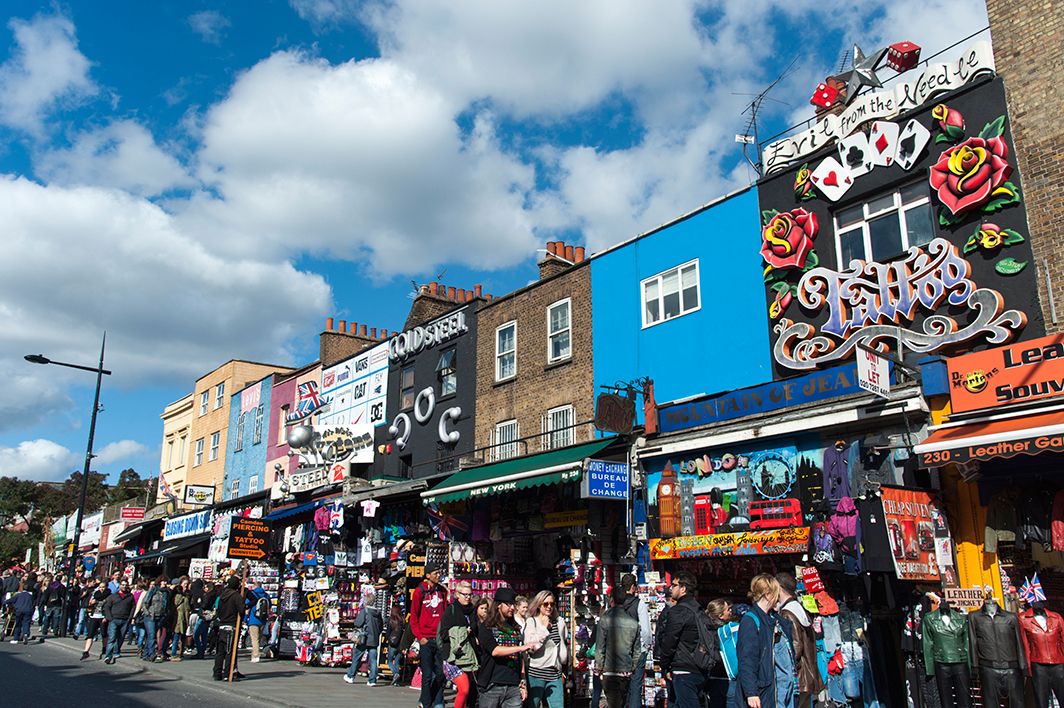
column 749, row 136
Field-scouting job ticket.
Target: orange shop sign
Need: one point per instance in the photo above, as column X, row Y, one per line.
column 742, row 543
column 1026, row 371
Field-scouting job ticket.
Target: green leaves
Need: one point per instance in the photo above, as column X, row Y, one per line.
column 812, row 260
column 767, row 215
column 1009, row 266
column 993, row 129
column 1011, row 237
column 946, row 217
column 1005, row 195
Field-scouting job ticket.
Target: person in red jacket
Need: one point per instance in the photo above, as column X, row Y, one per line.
column 426, row 608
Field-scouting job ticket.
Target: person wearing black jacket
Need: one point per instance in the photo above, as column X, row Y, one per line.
column 117, row 609
column 70, row 611
column 230, row 607
column 679, row 640
column 206, row 635
column 52, row 600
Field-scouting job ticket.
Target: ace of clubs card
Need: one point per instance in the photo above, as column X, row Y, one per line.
column 853, row 154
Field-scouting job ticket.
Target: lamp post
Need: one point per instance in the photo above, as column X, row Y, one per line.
column 99, row 371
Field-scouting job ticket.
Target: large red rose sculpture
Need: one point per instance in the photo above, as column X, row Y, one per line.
column 967, row 175
column 787, row 238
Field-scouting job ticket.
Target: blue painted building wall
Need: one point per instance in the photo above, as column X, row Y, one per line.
column 721, row 346
column 250, row 459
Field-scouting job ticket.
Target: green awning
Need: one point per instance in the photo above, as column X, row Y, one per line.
column 552, row 467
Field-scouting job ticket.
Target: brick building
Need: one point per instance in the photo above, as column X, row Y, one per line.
column 1027, row 40
column 535, row 378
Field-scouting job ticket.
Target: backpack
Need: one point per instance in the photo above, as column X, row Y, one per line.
column 706, row 654
column 158, row 602
column 262, row 609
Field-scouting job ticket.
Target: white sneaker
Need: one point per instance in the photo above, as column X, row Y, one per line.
column 348, row 679
column 255, row 660
column 371, row 684
column 14, row 641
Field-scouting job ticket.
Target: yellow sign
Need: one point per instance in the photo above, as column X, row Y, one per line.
column 742, row 543
column 561, row 519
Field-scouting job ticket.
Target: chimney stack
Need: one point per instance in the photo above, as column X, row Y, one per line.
column 352, row 327
column 569, row 254
column 432, row 288
column 451, row 293
column 384, row 334
column 372, row 332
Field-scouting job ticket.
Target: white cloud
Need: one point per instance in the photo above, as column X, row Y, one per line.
column 40, row 460
column 121, row 155
column 210, row 25
column 118, row 451
column 325, row 12
column 46, row 70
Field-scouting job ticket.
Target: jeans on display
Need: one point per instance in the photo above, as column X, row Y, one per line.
column 499, row 697
column 356, row 661
column 617, row 690
column 999, row 681
column 1048, row 679
column 22, row 626
column 149, row 637
column 431, row 675
column 551, row 692
column 116, row 634
column 954, row 685
column 688, row 688
column 635, row 682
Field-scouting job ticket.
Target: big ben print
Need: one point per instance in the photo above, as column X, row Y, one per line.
column 668, row 502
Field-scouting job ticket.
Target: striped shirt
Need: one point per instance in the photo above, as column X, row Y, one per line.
column 548, row 673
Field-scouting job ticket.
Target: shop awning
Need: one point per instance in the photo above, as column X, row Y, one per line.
column 999, row 436
column 173, row 548
column 553, row 467
column 298, row 508
column 132, row 531
column 385, row 490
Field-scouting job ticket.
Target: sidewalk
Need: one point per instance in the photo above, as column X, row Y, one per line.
column 283, row 683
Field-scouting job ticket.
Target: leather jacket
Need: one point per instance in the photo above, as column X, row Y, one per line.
column 996, row 642
column 944, row 644
column 1043, row 646
column 809, row 680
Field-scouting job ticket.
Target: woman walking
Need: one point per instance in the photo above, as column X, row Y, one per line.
column 765, row 648
column 182, row 610
column 546, row 664
column 369, row 622
column 97, row 592
column 394, row 637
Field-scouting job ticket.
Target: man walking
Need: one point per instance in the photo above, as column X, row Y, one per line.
column 619, row 647
column 426, row 608
column 54, row 598
column 501, row 643
column 637, row 610
column 258, row 615
column 117, row 609
column 679, row 641
column 370, row 622
column 809, row 682
column 230, row 607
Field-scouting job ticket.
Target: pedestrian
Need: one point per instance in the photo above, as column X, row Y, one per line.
column 427, row 604
column 53, row 602
column 21, row 604
column 546, row 665
column 181, row 611
column 155, row 605
column 230, row 607
column 258, row 616
column 368, row 624
column 809, row 682
column 637, row 609
column 458, row 644
column 208, row 607
column 93, row 624
column 679, row 640
column 72, row 608
column 87, row 589
column 764, row 647
column 670, row 694
column 136, row 623
column 40, row 596
column 10, row 583
column 521, row 610
column 500, row 681
column 117, row 609
column 723, row 687
column 396, row 629
column 618, row 645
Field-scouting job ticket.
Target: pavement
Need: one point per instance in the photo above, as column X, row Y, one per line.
column 132, row 682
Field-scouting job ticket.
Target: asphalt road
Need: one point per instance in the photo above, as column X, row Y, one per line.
column 39, row 675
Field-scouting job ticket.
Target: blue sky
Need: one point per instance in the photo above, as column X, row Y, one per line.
column 210, row 180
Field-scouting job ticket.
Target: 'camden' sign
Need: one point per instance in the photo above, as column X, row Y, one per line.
column 414, row 340
column 936, row 79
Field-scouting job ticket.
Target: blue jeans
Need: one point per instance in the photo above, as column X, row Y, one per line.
column 149, row 639
column 199, row 636
column 635, row 685
column 51, row 620
column 393, row 663
column 22, row 626
column 356, row 659
column 688, row 688
column 431, row 675
column 596, row 690
column 79, row 629
column 116, row 634
column 550, row 692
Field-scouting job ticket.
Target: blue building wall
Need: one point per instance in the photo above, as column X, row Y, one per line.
column 250, row 459
column 721, row 346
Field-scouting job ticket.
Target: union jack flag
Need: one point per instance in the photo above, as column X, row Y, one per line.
column 164, row 487
column 310, row 402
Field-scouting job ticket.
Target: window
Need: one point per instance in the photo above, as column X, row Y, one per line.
column 281, row 424
column 558, row 424
column 559, row 340
column 219, row 395
column 253, row 484
column 884, row 227
column 169, row 454
column 234, row 489
column 506, row 351
column 181, row 452
column 258, row 426
column 406, row 388
column 447, row 372
column 204, row 398
column 505, row 445
column 216, row 441
column 199, row 453
column 239, row 445
column 670, row 294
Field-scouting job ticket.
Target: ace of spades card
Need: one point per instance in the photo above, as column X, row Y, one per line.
column 882, row 143
column 831, row 179
column 913, row 139
column 853, row 154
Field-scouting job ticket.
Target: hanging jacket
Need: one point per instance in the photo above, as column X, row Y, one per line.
column 843, row 526
column 1034, row 511
column 996, row 642
column 1057, row 524
column 804, row 647
column 1042, row 646
column 836, row 471
column 944, row 644
column 1001, row 522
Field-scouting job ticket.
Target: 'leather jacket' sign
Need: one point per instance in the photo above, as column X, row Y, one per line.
column 414, row 340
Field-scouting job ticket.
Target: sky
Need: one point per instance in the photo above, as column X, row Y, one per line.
column 211, row 180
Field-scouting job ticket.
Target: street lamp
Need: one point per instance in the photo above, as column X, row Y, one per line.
column 99, row 371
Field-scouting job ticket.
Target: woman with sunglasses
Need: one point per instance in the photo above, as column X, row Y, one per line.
column 545, row 665
column 457, row 644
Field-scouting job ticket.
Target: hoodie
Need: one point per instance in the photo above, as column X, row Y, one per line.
column 843, row 526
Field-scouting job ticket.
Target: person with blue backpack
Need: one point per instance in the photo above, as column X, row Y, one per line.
column 688, row 650
column 258, row 603
column 765, row 649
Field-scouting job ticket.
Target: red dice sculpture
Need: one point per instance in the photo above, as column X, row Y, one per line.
column 824, row 96
column 902, row 56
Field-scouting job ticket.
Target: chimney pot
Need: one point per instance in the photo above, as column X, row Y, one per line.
column 569, row 254
column 461, row 295
column 362, row 330
column 491, row 297
column 552, row 247
column 352, row 328
column 432, row 288
column 451, row 293
column 579, row 253
column 343, row 325
column 329, row 323
column 477, row 290
column 384, row 334
column 372, row 332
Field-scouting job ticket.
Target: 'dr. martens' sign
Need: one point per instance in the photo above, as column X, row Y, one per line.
column 1015, row 373
column 414, row 340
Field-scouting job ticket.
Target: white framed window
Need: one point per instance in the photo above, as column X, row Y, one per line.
column 199, row 453
column 406, row 388
column 282, row 425
column 169, row 454
column 239, row 443
column 219, row 395
column 559, row 331
column 216, row 442
column 558, row 426
column 258, row 426
column 447, row 372
column 670, row 294
column 885, row 227
column 204, row 400
column 234, row 489
column 506, row 351
column 253, row 484
column 181, row 451
column 505, row 444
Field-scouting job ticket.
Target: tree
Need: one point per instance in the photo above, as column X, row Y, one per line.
column 130, row 486
column 96, row 496
column 13, row 547
column 16, row 497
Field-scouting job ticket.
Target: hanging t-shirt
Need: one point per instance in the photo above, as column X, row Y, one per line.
column 875, row 545
column 369, row 507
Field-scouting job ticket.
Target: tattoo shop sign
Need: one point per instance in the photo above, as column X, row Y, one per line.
column 936, row 79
